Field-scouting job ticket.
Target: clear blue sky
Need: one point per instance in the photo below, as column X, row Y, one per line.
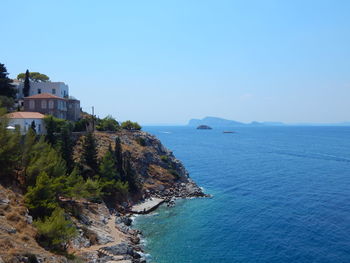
column 161, row 62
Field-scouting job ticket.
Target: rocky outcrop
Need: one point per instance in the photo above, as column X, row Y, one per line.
column 204, row 127
column 159, row 172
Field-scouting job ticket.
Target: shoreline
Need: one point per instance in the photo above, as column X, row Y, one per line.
column 147, row 206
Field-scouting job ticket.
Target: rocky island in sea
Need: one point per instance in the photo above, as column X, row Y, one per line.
column 220, row 122
column 204, row 127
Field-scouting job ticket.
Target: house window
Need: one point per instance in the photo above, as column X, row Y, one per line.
column 39, row 128
column 53, row 91
column 31, row 104
column 51, row 103
column 39, row 91
column 43, row 104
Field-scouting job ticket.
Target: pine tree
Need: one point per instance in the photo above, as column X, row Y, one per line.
column 93, row 189
column 89, row 155
column 108, row 173
column 73, row 185
column 9, row 151
column 29, row 141
column 40, row 198
column 26, row 87
column 107, row 167
column 43, row 158
column 56, row 231
column 6, row 88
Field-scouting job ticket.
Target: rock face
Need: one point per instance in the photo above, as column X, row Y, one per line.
column 204, row 127
column 123, row 219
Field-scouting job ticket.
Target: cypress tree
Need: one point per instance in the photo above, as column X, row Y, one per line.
column 66, row 145
column 130, row 175
column 50, row 130
column 118, row 156
column 26, row 88
column 89, row 155
column 33, row 126
column 6, row 88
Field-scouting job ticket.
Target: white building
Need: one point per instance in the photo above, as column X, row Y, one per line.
column 24, row 119
column 59, row 89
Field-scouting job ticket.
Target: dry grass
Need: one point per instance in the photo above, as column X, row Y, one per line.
column 15, row 245
column 13, row 216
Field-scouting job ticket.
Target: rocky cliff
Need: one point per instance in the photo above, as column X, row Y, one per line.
column 104, row 234
column 159, row 172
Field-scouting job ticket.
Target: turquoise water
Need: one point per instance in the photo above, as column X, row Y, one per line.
column 280, row 194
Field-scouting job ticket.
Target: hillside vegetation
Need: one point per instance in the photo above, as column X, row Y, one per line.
column 42, row 173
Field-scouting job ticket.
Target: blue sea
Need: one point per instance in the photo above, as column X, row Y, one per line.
column 280, row 194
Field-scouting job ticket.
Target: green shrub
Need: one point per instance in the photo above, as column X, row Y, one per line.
column 174, row 173
column 141, row 141
column 80, row 125
column 129, row 125
column 165, row 158
column 107, row 124
column 54, row 232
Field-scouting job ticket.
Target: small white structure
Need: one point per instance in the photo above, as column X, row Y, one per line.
column 59, row 89
column 24, row 119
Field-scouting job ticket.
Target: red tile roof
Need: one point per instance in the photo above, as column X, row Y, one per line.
column 25, row 115
column 44, row 96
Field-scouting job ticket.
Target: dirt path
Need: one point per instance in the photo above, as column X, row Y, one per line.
column 115, row 233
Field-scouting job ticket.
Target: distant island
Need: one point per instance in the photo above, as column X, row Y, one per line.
column 216, row 122
column 220, row 122
column 204, row 127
